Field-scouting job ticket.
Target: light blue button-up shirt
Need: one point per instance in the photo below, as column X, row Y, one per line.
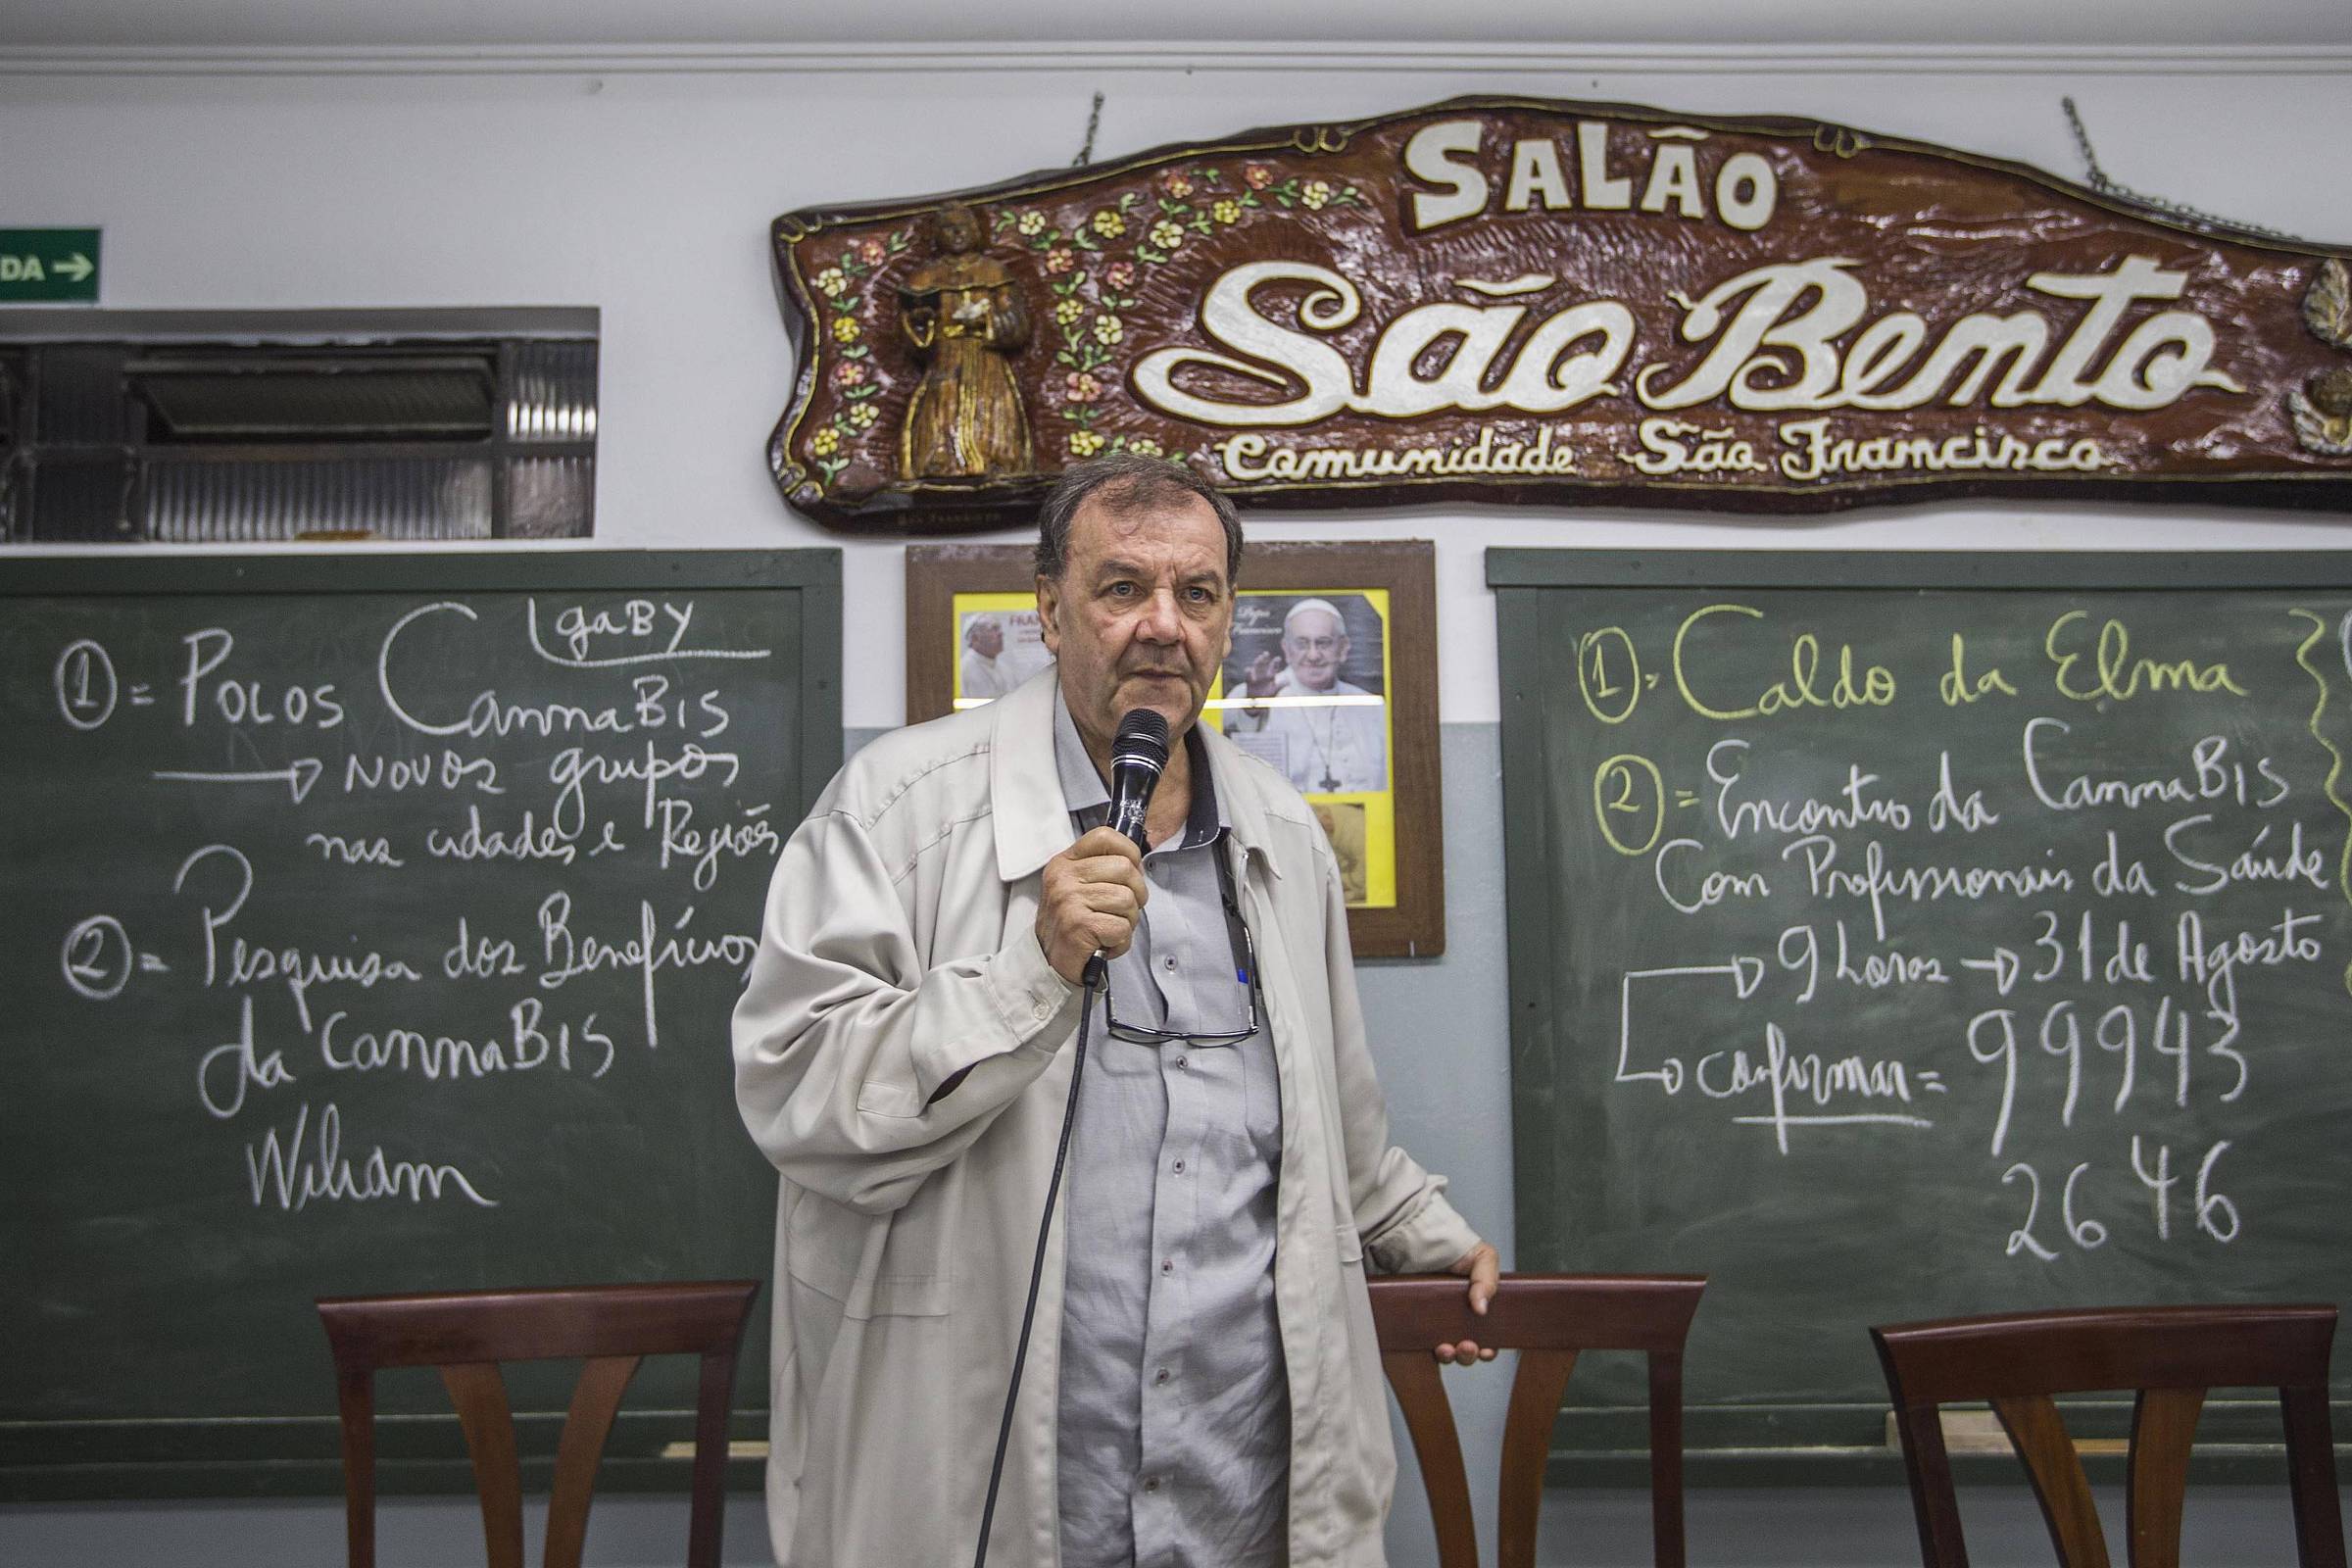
column 1174, row 1422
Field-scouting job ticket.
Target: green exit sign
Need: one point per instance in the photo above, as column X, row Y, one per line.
column 48, row 265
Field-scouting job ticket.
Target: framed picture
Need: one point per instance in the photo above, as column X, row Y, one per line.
column 1332, row 683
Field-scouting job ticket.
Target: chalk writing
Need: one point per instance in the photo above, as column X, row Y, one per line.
column 2038, row 888
column 538, row 842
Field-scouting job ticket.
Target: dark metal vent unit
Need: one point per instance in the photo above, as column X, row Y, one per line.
column 213, row 426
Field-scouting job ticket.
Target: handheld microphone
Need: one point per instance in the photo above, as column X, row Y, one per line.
column 1138, row 756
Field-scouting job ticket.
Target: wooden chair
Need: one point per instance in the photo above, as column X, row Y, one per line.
column 2169, row 1355
column 1547, row 1318
column 467, row 1334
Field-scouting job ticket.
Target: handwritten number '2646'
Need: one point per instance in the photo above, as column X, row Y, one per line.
column 2216, row 1215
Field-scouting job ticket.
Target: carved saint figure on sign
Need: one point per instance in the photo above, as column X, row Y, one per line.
column 962, row 314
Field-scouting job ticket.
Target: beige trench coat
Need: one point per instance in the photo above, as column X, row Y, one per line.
column 900, row 949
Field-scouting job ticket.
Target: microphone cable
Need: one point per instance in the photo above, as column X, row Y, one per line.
column 1095, row 978
column 1138, row 751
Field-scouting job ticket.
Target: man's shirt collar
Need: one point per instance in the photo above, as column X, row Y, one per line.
column 1084, row 792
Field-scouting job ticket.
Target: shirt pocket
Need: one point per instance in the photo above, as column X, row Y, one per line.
column 901, row 1264
column 1262, row 1098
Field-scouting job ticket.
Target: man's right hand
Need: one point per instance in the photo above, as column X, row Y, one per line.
column 1094, row 894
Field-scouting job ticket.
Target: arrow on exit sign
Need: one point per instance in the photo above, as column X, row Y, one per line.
column 48, row 265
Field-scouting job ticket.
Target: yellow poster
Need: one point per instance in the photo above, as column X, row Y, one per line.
column 1305, row 690
column 998, row 645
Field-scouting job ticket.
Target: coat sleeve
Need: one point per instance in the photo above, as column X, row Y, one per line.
column 1400, row 1210
column 844, row 1041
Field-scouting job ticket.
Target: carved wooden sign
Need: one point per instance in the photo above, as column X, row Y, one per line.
column 1516, row 300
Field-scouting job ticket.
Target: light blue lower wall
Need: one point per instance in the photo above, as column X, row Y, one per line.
column 1440, row 1036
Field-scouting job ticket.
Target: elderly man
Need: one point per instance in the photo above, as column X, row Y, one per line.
column 986, row 672
column 1332, row 734
column 1203, row 1386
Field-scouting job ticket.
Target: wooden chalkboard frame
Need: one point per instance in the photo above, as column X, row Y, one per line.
column 1797, row 1444
column 237, row 1456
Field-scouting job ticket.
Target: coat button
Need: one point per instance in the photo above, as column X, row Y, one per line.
column 1152, row 1484
column 1044, row 1010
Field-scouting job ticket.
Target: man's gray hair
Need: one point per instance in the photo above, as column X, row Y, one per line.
column 1126, row 482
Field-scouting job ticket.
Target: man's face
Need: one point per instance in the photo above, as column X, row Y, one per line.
column 1314, row 645
column 1143, row 614
column 988, row 638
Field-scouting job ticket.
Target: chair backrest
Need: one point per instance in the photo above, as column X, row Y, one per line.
column 467, row 1334
column 2169, row 1355
column 1547, row 1318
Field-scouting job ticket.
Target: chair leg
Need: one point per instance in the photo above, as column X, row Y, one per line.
column 1930, row 1469
column 1527, row 1450
column 1667, row 1543
column 354, row 1399
column 1429, row 1417
column 709, row 1519
column 2311, row 1478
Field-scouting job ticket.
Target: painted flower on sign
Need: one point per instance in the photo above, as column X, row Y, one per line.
column 1119, row 275
column 856, row 377
column 1109, row 329
column 1059, row 260
column 1316, row 194
column 1067, row 310
column 1109, row 223
column 1258, row 176
column 1083, row 388
column 1032, row 222
column 1166, row 235
column 1226, row 210
column 1085, row 443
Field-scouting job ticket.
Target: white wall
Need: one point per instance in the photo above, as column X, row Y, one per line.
column 646, row 189
column 642, row 182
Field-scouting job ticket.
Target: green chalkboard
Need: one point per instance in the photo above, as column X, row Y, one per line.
column 1919, row 935
column 373, row 923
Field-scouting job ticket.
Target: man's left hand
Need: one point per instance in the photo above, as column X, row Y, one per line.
column 1484, row 1266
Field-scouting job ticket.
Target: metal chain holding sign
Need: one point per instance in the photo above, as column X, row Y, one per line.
column 2097, row 180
